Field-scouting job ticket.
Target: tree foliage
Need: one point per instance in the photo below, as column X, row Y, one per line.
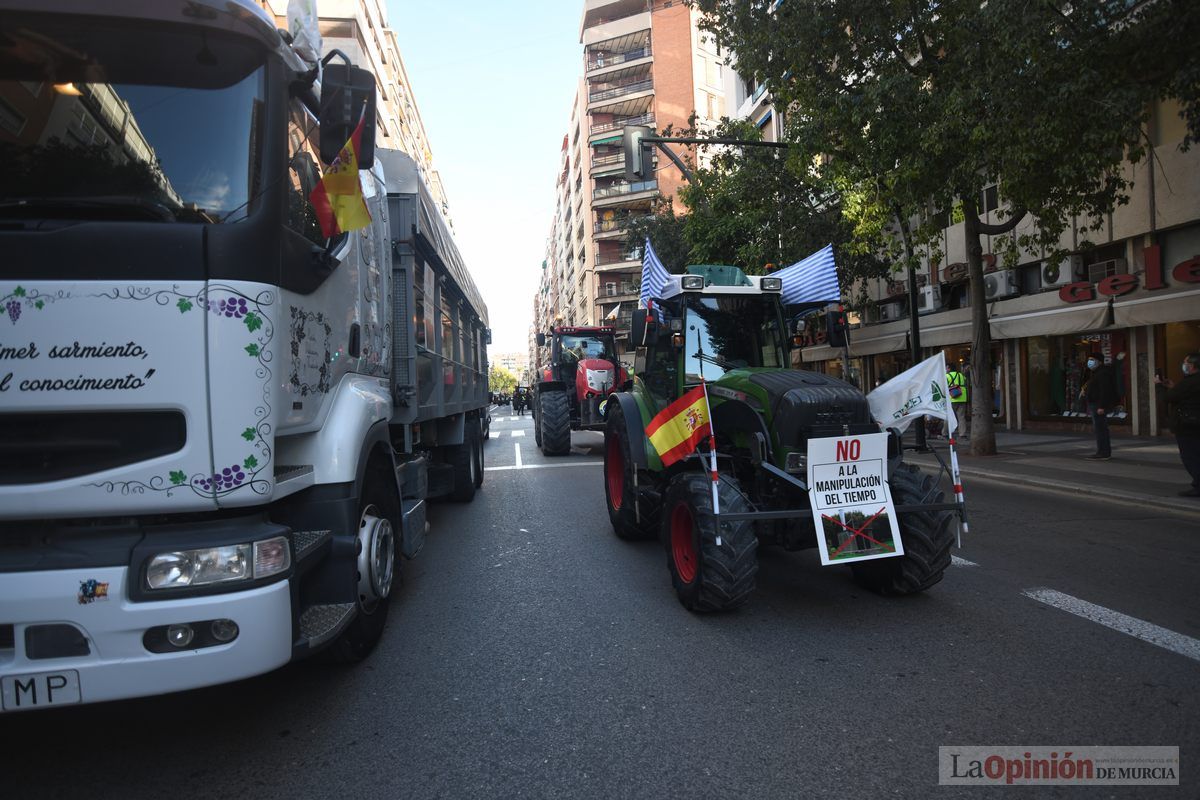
column 500, row 380
column 747, row 206
column 915, row 105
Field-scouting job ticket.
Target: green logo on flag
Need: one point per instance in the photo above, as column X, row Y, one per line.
column 936, row 391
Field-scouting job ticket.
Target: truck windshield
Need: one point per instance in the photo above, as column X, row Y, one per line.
column 100, row 120
column 731, row 332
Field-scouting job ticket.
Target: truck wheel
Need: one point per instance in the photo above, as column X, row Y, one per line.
column 927, row 537
column 618, row 484
column 554, row 423
column 708, row 576
column 479, row 461
column 466, row 465
column 377, row 570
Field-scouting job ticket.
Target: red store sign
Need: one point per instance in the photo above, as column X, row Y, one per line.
column 1116, row 285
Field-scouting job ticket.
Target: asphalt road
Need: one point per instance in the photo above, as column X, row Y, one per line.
column 530, row 653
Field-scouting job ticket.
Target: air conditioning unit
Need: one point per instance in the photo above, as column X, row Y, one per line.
column 929, row 299
column 889, row 312
column 998, row 285
column 1102, row 269
column 1062, row 273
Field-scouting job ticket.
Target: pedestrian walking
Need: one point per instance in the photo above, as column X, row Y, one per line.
column 956, row 383
column 1102, row 393
column 1183, row 399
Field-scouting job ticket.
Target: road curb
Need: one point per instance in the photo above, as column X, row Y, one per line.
column 1065, row 487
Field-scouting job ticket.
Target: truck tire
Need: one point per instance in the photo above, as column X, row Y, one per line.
column 708, row 576
column 378, row 569
column 619, row 492
column 554, row 423
column 927, row 537
column 463, row 458
column 479, row 460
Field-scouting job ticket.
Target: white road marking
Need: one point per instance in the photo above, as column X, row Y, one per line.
column 1137, row 628
column 961, row 562
column 545, row 466
column 517, row 433
column 517, row 447
column 512, row 419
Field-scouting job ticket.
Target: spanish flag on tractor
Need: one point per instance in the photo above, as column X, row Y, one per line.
column 338, row 198
column 679, row 428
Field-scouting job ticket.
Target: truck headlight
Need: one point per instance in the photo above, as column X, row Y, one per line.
column 180, row 569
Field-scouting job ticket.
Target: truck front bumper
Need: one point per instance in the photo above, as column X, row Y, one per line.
column 110, row 660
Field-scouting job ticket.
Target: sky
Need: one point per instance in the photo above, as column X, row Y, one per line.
column 494, row 83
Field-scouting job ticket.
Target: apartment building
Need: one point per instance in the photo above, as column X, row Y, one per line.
column 359, row 28
column 645, row 62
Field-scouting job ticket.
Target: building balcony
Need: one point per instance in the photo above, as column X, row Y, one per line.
column 606, row 19
column 615, row 261
column 620, row 192
column 607, row 91
column 619, row 124
column 609, row 53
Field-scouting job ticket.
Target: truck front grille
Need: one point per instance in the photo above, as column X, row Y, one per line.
column 39, row 448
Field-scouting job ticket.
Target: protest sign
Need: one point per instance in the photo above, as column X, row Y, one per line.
column 851, row 502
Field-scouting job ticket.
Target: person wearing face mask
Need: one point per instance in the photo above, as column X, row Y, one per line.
column 1102, row 393
column 1184, row 401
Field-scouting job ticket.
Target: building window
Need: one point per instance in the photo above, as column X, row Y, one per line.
column 1057, row 372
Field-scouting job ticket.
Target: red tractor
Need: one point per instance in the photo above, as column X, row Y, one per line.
column 572, row 389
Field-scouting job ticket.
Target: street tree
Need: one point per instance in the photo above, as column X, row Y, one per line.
column 751, row 206
column 927, row 104
column 500, row 380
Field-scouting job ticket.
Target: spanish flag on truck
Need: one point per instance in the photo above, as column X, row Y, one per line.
column 677, row 430
column 338, row 198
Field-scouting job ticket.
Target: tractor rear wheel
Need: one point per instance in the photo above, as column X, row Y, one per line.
column 927, row 537
column 708, row 576
column 554, row 423
column 619, row 490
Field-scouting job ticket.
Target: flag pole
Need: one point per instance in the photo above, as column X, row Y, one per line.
column 712, row 454
column 958, row 489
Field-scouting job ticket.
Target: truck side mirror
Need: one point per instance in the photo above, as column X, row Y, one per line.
column 641, row 334
column 541, row 340
column 347, row 95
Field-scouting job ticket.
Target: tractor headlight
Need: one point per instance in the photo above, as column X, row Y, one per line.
column 771, row 284
column 692, row 282
column 796, row 463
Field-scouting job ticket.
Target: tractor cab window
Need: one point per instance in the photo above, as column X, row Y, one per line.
column 731, row 332
column 578, row 348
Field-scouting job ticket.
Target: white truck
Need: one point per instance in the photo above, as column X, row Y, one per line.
column 218, row 428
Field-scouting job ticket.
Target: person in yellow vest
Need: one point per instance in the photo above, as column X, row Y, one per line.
column 956, row 382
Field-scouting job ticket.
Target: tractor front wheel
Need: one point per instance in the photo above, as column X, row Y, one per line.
column 554, row 423
column 619, row 490
column 713, row 563
column 927, row 537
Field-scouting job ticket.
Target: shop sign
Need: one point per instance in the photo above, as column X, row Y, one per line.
column 1116, row 285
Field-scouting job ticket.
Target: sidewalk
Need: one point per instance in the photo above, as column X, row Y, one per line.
column 1143, row 470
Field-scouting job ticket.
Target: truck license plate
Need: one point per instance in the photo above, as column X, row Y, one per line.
column 40, row 689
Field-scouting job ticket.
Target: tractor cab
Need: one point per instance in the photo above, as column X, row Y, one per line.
column 573, row 386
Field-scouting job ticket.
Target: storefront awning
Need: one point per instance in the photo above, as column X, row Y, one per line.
column 812, row 355
column 1057, row 320
column 608, row 140
column 885, row 343
column 1155, row 309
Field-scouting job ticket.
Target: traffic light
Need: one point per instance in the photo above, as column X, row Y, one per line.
column 639, row 155
column 837, row 327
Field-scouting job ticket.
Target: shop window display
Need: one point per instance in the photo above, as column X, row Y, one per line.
column 1057, row 372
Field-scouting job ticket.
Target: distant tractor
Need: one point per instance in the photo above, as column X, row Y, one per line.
column 573, row 388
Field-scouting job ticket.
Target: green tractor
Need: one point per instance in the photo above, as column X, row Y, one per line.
column 716, row 325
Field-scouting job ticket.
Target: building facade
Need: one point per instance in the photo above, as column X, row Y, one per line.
column 645, row 62
column 359, row 28
column 1129, row 293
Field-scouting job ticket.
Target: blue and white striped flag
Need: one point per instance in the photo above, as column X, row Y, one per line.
column 811, row 280
column 654, row 275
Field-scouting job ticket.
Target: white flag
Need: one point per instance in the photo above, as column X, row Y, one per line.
column 920, row 390
column 305, row 28
column 616, row 312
